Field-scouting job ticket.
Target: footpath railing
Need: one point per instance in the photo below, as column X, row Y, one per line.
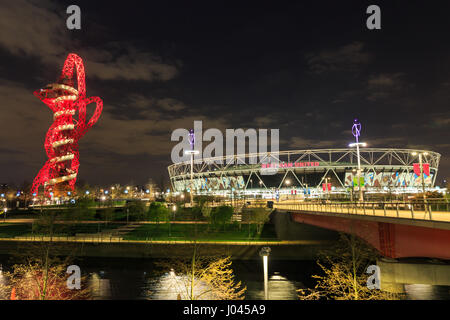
column 432, row 210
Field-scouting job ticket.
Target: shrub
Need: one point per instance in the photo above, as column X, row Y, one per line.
column 136, row 210
column 158, row 212
column 221, row 215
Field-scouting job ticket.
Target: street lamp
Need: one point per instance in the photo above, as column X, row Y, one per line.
column 422, row 176
column 356, row 131
column 326, row 187
column 288, row 182
column 174, row 210
column 264, row 253
column 192, row 152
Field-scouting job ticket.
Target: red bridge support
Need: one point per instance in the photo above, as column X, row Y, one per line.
column 392, row 240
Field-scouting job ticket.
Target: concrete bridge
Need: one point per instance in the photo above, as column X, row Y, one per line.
column 395, row 229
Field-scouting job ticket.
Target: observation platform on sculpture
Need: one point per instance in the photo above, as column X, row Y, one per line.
column 395, row 229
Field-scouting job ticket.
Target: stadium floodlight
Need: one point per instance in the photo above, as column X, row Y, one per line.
column 362, row 144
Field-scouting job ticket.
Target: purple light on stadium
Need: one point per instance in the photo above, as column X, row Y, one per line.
column 356, row 129
column 192, row 138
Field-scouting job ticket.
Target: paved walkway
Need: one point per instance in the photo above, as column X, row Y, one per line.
column 120, row 240
column 31, row 220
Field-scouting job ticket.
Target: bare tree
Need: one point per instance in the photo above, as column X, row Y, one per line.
column 344, row 273
column 202, row 278
column 41, row 273
column 39, row 280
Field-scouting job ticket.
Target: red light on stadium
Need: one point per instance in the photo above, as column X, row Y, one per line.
column 59, row 173
column 290, row 165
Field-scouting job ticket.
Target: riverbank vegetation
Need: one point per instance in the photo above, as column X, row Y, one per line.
column 200, row 277
column 344, row 273
column 203, row 232
column 41, row 272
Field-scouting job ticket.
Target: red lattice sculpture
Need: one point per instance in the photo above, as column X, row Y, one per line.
column 59, row 173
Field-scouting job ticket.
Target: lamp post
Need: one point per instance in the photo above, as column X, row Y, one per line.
column 326, row 187
column 264, row 253
column 288, row 182
column 174, row 210
column 192, row 152
column 356, row 130
column 422, row 177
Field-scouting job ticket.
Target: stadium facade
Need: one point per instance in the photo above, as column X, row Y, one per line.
column 310, row 173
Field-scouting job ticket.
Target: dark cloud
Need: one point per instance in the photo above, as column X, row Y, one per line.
column 38, row 29
column 348, row 57
column 384, row 85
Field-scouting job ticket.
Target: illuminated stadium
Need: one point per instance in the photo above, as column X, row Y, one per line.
column 310, row 173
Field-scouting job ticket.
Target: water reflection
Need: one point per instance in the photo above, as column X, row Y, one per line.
column 279, row 287
column 426, row 292
column 117, row 281
column 100, row 288
column 176, row 287
column 132, row 279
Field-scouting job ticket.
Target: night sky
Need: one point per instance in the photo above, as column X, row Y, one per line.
column 307, row 68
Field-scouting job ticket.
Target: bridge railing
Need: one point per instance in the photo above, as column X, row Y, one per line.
column 428, row 210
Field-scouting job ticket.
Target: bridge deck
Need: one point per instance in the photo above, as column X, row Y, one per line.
column 397, row 211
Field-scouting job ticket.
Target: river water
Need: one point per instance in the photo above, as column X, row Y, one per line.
column 129, row 279
column 135, row 279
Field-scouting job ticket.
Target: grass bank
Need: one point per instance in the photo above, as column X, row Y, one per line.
column 11, row 230
column 203, row 232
